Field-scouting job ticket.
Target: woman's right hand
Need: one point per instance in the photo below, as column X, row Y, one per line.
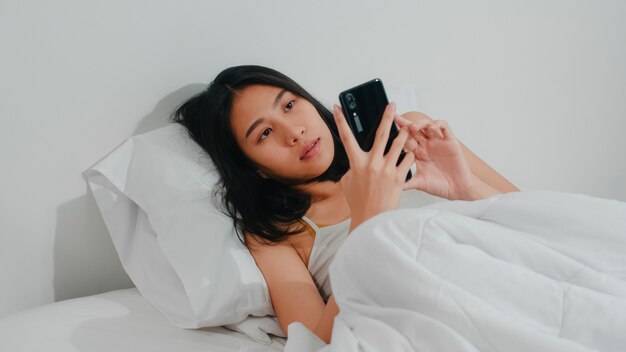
column 374, row 183
column 441, row 166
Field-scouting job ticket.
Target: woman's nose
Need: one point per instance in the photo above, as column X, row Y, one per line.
column 295, row 134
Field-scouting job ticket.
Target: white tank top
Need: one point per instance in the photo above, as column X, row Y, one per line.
column 327, row 241
column 329, row 238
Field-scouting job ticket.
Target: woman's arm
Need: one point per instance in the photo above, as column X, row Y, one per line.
column 479, row 168
column 293, row 293
column 324, row 327
column 486, row 173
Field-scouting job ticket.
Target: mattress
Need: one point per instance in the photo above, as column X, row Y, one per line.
column 119, row 320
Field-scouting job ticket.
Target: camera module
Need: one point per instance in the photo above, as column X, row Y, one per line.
column 351, row 101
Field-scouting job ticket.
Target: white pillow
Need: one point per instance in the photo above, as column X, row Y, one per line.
column 154, row 193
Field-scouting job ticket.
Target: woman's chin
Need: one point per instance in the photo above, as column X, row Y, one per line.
column 312, row 169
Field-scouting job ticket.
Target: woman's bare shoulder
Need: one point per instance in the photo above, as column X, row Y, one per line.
column 300, row 243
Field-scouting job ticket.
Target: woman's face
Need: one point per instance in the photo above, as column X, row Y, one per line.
column 276, row 128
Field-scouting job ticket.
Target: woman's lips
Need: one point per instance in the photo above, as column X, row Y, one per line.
column 312, row 150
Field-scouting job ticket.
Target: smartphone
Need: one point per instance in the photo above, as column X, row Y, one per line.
column 363, row 107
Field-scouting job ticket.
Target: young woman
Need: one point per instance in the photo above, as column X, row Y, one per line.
column 282, row 157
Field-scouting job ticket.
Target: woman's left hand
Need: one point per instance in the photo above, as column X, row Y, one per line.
column 441, row 167
column 374, row 182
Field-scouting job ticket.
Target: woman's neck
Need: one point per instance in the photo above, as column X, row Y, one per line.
column 320, row 191
column 328, row 203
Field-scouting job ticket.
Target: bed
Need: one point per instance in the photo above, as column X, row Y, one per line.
column 198, row 288
column 483, row 278
column 119, row 320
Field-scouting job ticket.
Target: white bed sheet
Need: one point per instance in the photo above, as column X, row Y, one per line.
column 120, row 321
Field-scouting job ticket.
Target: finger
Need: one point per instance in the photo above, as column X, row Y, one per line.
column 417, row 180
column 416, row 131
column 441, row 126
column 433, row 131
column 405, row 165
column 410, row 145
column 445, row 130
column 401, row 121
column 410, row 124
column 352, row 147
column 420, row 138
column 396, row 147
column 382, row 133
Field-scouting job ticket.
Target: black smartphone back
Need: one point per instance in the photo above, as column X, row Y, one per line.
column 363, row 106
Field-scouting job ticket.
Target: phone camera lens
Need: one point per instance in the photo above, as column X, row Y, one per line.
column 351, row 101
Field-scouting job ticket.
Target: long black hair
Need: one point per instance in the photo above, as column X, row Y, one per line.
column 264, row 207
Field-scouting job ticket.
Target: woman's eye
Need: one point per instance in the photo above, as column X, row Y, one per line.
column 289, row 105
column 264, row 134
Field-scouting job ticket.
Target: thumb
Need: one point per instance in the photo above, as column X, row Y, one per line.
column 416, row 182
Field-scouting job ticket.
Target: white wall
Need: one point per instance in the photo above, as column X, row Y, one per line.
column 536, row 88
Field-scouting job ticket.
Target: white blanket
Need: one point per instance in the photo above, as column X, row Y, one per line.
column 523, row 271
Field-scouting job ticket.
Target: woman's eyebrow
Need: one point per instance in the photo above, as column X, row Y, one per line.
column 261, row 119
column 278, row 96
column 254, row 124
